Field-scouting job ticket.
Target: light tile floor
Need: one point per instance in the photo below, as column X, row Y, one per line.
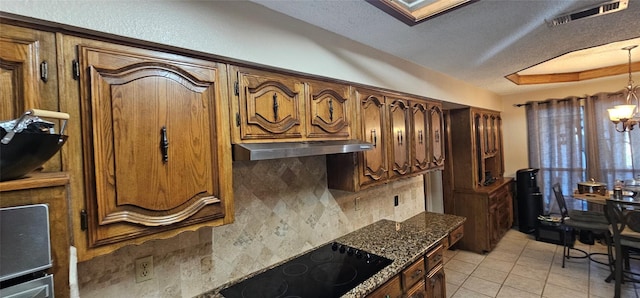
column 519, row 266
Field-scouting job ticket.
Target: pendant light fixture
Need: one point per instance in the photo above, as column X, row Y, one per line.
column 629, row 113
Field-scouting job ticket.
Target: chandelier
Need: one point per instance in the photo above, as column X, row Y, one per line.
column 629, row 113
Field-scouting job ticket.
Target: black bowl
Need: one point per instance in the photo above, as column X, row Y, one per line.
column 26, row 152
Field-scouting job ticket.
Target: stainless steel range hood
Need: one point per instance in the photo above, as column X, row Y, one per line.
column 296, row 149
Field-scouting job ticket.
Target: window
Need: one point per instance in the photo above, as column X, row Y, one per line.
column 571, row 140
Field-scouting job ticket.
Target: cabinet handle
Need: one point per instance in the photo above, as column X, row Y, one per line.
column 331, row 110
column 400, row 137
column 417, row 273
column 420, row 137
column 44, row 71
column 437, row 258
column 374, row 138
column 164, row 144
column 275, row 106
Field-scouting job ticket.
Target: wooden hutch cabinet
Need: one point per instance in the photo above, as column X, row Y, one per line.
column 473, row 180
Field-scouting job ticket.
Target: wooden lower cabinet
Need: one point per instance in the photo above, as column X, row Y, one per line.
column 489, row 215
column 424, row 278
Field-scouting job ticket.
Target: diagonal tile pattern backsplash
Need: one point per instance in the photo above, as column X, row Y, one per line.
column 283, row 207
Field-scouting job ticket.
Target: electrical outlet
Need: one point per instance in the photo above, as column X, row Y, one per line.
column 357, row 203
column 396, row 201
column 144, row 269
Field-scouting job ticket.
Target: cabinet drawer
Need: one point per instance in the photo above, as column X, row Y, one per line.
column 413, row 274
column 390, row 289
column 456, row 235
column 434, row 257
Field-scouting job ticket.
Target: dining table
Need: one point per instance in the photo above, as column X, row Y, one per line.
column 599, row 202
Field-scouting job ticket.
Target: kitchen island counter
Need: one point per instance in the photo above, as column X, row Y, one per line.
column 403, row 242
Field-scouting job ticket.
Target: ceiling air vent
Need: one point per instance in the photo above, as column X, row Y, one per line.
column 591, row 11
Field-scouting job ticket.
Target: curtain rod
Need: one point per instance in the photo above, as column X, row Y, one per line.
column 549, row 100
column 517, row 105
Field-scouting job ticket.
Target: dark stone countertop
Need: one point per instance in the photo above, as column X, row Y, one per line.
column 403, row 242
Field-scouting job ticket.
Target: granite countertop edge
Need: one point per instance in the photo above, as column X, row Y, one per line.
column 403, row 242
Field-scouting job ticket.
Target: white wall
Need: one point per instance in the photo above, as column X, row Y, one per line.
column 250, row 32
column 514, row 120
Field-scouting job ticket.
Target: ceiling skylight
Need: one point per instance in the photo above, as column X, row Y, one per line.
column 413, row 12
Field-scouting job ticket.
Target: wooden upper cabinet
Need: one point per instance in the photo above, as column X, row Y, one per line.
column 420, row 136
column 28, row 71
column 436, row 134
column 372, row 115
column 28, row 75
column 151, row 121
column 400, row 142
column 329, row 111
column 269, row 105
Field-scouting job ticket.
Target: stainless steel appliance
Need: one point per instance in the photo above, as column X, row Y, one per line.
column 25, row 252
column 328, row 271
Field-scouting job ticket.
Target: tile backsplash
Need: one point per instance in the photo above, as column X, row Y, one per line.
column 282, row 207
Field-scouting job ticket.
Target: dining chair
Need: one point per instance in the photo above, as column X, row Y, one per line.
column 625, row 225
column 573, row 220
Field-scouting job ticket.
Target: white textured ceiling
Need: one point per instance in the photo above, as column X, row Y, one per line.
column 481, row 42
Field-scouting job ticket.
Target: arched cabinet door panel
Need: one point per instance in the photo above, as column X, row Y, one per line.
column 421, row 137
column 329, row 111
column 151, row 123
column 400, row 141
column 437, row 137
column 374, row 165
column 270, row 105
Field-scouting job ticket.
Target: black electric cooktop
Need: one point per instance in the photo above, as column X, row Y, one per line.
column 328, row 271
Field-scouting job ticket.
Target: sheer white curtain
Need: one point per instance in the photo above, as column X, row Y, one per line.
column 556, row 144
column 611, row 155
column 572, row 140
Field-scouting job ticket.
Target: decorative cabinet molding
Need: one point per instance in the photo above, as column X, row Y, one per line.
column 273, row 107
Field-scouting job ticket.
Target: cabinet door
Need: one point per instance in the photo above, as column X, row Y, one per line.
column 494, row 224
column 436, row 283
column 151, row 120
column 399, row 154
column 28, row 75
column 270, row 105
column 420, row 137
column 372, row 114
column 329, row 111
column 437, row 137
